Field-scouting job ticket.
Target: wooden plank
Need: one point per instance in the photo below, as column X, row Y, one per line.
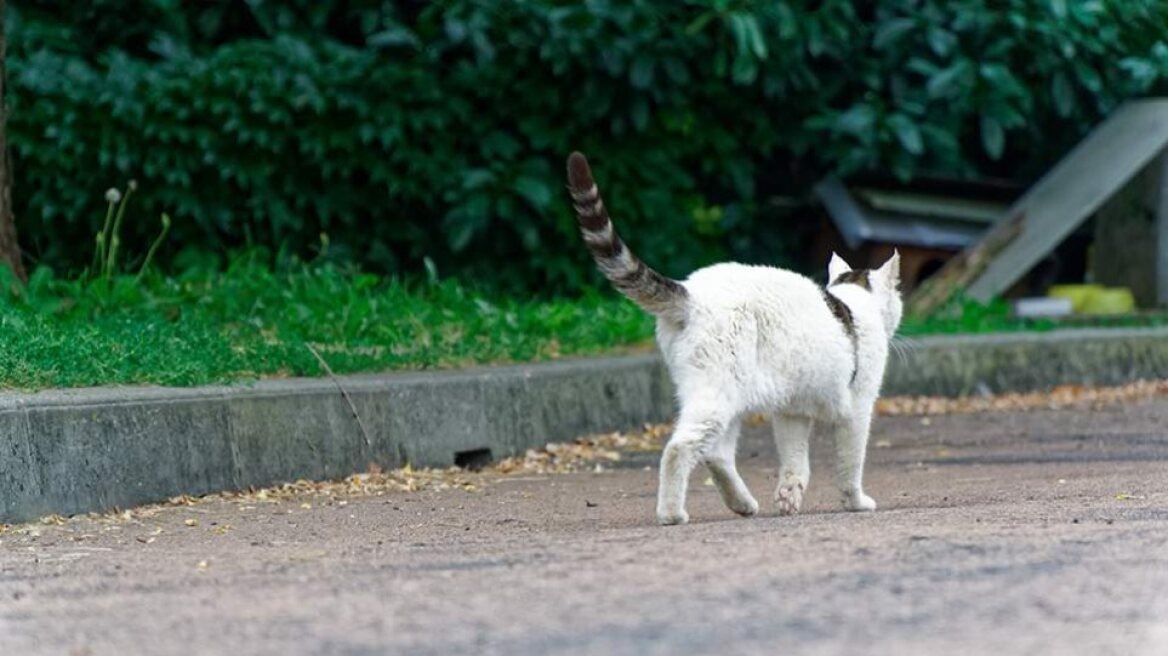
column 958, row 271
column 1076, row 187
column 932, row 205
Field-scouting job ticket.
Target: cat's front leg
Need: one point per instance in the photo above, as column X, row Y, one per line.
column 851, row 443
column 677, row 461
column 792, row 441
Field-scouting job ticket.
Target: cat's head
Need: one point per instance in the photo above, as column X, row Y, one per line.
column 883, row 283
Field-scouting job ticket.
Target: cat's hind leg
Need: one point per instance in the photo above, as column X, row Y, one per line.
column 724, row 471
column 698, row 432
column 792, row 441
column 851, row 443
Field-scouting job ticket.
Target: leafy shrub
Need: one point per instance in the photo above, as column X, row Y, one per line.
column 408, row 130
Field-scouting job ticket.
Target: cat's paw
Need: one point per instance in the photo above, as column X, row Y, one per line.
column 858, row 502
column 789, row 498
column 672, row 517
column 746, row 506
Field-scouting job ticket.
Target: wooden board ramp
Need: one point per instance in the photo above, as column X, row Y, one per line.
column 1111, row 155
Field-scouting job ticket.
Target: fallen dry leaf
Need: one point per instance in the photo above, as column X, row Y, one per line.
column 578, row 455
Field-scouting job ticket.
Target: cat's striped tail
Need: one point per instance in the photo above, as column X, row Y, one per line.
column 647, row 288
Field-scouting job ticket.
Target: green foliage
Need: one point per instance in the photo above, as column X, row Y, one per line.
column 253, row 320
column 108, row 242
column 408, row 131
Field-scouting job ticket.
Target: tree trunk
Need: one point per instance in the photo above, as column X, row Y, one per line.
column 9, row 246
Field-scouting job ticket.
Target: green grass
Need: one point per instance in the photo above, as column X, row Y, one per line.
column 249, row 322
column 967, row 316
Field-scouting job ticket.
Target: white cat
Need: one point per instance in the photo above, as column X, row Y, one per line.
column 741, row 339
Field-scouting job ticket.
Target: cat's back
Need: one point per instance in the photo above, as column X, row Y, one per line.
column 733, row 285
column 750, row 328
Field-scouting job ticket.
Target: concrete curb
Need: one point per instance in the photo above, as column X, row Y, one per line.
column 958, row 365
column 72, row 451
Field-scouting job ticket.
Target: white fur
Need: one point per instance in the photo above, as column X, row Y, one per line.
column 761, row 339
column 836, row 267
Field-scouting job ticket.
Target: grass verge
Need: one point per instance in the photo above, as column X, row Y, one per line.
column 253, row 321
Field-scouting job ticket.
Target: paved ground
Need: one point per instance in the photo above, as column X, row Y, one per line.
column 1026, row 533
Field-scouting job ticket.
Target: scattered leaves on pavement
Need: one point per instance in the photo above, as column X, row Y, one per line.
column 573, row 456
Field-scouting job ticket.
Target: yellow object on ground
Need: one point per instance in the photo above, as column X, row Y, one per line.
column 1112, row 300
column 1078, row 294
column 1095, row 299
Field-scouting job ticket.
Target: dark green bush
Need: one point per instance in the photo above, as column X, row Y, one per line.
column 407, row 130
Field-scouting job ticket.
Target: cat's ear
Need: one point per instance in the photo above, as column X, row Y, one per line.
column 890, row 271
column 836, row 267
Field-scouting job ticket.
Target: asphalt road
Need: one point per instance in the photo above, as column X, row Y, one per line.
column 1023, row 533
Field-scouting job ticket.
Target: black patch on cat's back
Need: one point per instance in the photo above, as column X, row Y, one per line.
column 855, row 277
column 843, row 314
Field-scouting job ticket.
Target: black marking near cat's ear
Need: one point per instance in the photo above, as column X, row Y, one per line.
column 843, row 314
column 854, row 277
